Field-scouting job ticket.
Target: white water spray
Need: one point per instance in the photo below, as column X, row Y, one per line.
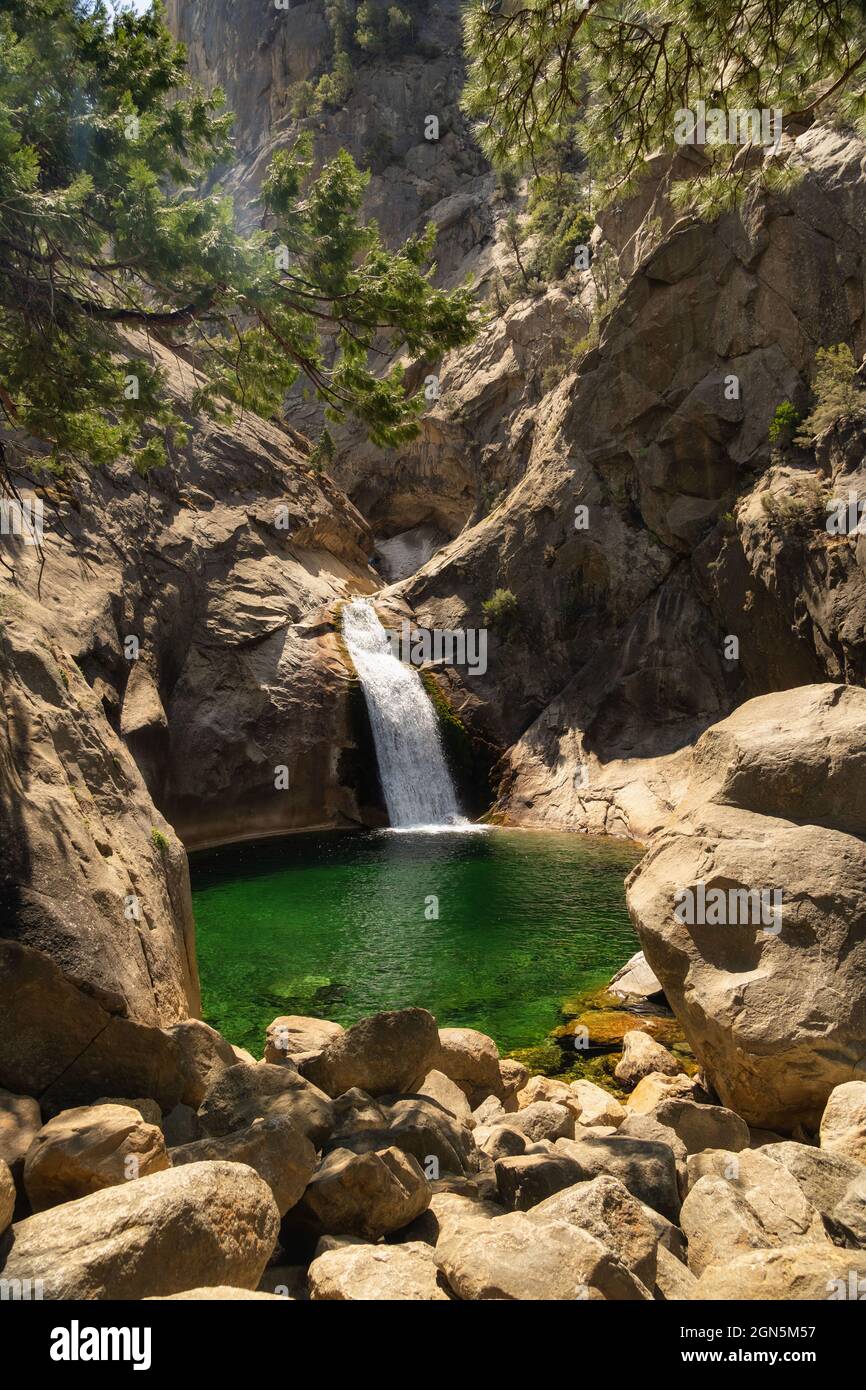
column 415, row 779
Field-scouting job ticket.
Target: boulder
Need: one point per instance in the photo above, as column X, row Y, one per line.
column 513, row 1076
column 221, row 1293
column 500, row 1141
column 241, row 1094
column 543, row 1120
column 164, row 1234
column 274, row 1148
column 242, row 1055
column 449, row 1211
column 86, row 1149
column 490, row 1112
column 204, row 1053
column 774, row 1011
column 847, row 1221
column 147, row 1109
column 20, row 1121
column 657, row 1087
column 377, row 1273
column 515, row 1257
column 181, row 1126
column 813, row 1273
column 647, row 1168
column 549, row 1089
column 843, row 1123
column 703, row 1126
column 597, row 1106
column 472, row 1060
column 744, row 1201
column 389, row 1052
column 421, row 1127
column 606, row 1209
column 447, row 1093
column 824, row 1177
column 674, row 1281
column 524, row 1180
column 292, row 1036
column 7, row 1195
column 354, row 1111
column 635, row 980
column 362, row 1194
column 643, row 1056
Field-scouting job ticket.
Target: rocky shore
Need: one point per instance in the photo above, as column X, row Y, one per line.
column 399, row 1161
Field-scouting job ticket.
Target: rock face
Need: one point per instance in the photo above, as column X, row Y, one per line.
column 84, row 1150
column 7, row 1195
column 775, row 1012
column 161, row 1235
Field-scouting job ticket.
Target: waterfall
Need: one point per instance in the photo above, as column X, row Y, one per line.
column 415, row 778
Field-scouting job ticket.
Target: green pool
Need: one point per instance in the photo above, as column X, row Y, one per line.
column 342, row 925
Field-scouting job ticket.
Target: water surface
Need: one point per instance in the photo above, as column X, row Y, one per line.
column 342, row 925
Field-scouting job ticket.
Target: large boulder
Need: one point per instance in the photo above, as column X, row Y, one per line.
column 439, row 1087
column 278, row 1152
column 543, row 1119
column 204, row 1053
column 172, row 1231
column 421, row 1127
column 366, row 1195
column 635, row 980
column 744, row 1201
column 812, row 1273
column 606, row 1209
column 843, row 1123
column 472, row 1060
column 377, row 1273
column 645, row 1166
column 597, row 1106
column 702, row 1127
column 515, row 1257
column 84, row 1150
column 20, row 1121
column 241, row 1094
column 388, row 1052
column 774, row 1010
column 294, row 1036
column 7, row 1195
column 847, row 1221
column 823, row 1176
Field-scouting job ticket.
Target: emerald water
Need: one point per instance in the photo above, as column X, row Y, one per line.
column 341, row 925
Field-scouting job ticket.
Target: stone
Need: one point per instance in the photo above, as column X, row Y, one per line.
column 450, row 1211
column 241, row 1094
column 674, row 1281
column 742, row 1201
column 274, row 1148
column 524, row 1180
column 472, row 1060
column 606, row 1209
column 147, row 1109
column 362, row 1194
column 293, row 1035
column 89, row 1148
column 847, row 1220
column 163, row 1234
column 543, row 1120
column 703, row 1126
column 221, row 1293
column 843, row 1123
column 513, row 1076
column 181, row 1126
column 824, row 1176
column 376, row 1273
column 242, row 1055
column 490, row 1112
column 657, row 1087
column 7, row 1195
column 354, row 1111
column 812, row 1273
column 421, row 1127
column 446, row 1092
column 597, row 1106
column 645, row 1167
column 500, row 1141
column 643, row 1056
column 548, row 1088
column 515, row 1257
column 204, row 1053
column 635, row 980
column 390, row 1052
column 20, row 1120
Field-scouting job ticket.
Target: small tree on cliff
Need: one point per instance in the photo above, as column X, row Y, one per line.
column 623, row 69
column 104, row 229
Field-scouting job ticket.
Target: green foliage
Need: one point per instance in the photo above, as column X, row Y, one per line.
column 837, row 392
column 501, row 612
column 622, row 70
column 158, row 840
column 303, row 100
column 103, row 148
column 383, row 31
column 335, row 87
column 783, row 425
column 559, row 218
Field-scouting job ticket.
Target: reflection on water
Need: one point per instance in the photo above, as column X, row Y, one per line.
column 488, row 930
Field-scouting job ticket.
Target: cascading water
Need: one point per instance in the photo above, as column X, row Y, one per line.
column 415, row 779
